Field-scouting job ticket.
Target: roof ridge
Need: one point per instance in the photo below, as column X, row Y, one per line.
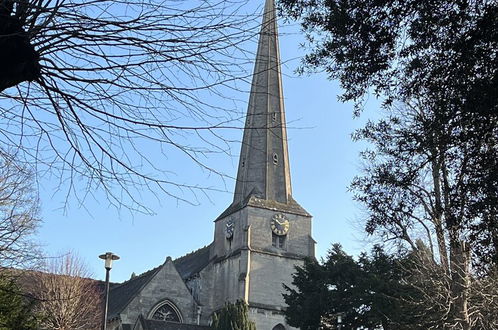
column 147, row 272
column 139, row 281
column 191, row 253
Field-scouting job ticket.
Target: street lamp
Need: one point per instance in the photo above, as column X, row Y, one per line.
column 109, row 257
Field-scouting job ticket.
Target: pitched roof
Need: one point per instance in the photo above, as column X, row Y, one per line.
column 193, row 262
column 120, row 295
column 291, row 206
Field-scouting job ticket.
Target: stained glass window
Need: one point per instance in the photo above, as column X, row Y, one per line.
column 166, row 313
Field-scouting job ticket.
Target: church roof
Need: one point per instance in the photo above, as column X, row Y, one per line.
column 120, row 295
column 291, row 207
column 193, row 262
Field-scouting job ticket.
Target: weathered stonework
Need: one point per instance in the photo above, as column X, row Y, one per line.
column 165, row 285
column 250, row 262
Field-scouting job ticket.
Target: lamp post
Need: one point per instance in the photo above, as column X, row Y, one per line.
column 109, row 257
column 339, row 322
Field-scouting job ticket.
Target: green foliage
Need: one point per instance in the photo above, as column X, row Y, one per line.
column 364, row 293
column 233, row 317
column 432, row 170
column 310, row 301
column 16, row 310
column 407, row 291
column 435, row 65
column 414, row 47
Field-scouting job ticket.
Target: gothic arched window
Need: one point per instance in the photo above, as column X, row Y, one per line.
column 279, row 327
column 166, row 311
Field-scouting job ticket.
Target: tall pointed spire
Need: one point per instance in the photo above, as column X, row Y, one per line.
column 264, row 161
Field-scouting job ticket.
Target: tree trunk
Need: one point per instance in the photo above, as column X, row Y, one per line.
column 19, row 61
column 437, row 218
column 459, row 289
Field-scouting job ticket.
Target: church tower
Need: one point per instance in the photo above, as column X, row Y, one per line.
column 264, row 233
column 258, row 239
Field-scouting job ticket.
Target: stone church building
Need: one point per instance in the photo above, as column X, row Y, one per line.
column 258, row 239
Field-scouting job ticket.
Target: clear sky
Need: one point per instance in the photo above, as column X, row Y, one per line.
column 323, row 161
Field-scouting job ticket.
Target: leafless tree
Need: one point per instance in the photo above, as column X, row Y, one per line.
column 423, row 182
column 431, row 305
column 87, row 84
column 67, row 298
column 483, row 302
column 19, row 209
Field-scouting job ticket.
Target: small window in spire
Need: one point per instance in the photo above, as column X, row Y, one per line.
column 243, row 162
column 275, row 159
column 274, row 117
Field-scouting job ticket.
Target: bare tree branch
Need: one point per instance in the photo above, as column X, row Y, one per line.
column 96, row 81
column 19, row 214
column 67, row 297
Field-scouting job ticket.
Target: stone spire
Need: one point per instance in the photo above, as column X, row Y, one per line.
column 264, row 161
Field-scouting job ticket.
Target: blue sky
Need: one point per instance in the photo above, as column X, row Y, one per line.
column 323, row 161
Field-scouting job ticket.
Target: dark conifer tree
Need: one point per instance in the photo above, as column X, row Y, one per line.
column 16, row 309
column 432, row 172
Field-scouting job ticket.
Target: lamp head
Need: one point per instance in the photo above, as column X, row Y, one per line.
column 108, row 257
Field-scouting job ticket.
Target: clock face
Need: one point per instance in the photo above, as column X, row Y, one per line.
column 279, row 224
column 229, row 226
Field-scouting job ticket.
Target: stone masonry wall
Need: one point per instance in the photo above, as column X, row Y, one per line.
column 166, row 285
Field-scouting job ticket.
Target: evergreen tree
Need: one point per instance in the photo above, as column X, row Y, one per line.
column 363, row 293
column 16, row 309
column 233, row 317
column 431, row 172
column 408, row 290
